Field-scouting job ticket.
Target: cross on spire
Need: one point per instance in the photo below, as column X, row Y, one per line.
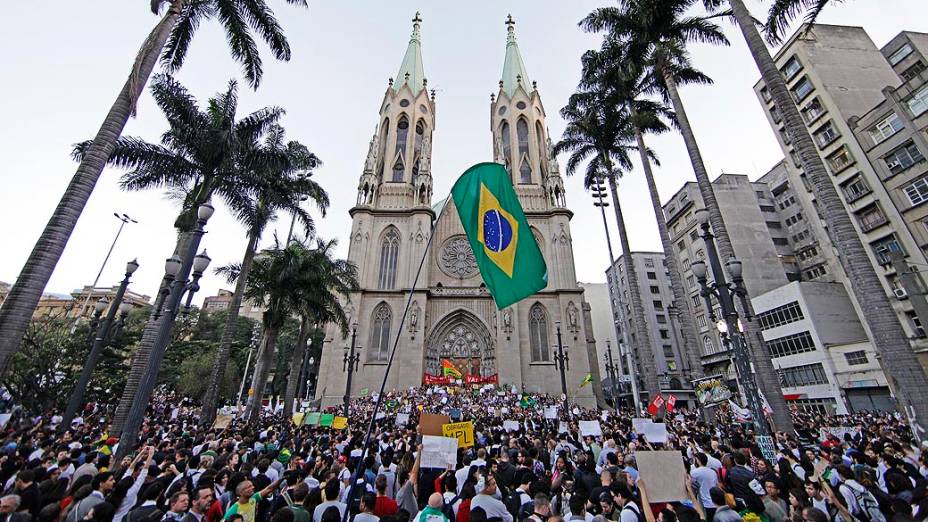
column 510, row 22
column 417, row 19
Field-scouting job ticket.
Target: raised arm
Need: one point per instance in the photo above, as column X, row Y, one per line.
column 414, row 472
column 645, row 504
column 270, row 488
column 688, row 482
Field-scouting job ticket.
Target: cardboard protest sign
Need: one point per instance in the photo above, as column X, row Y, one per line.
column 591, row 428
column 511, row 425
column 656, row 433
column 340, row 423
column 663, row 473
column 562, row 427
column 462, row 431
column 431, row 423
column 298, row 418
column 326, row 419
column 551, row 412
column 222, row 421
column 312, row 418
column 439, row 452
column 402, row 419
column 639, row 424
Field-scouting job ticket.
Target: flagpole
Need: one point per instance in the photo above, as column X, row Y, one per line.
column 370, row 426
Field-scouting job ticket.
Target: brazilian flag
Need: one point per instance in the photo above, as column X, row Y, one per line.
column 507, row 255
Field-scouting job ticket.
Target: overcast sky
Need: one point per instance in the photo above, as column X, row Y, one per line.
column 63, row 66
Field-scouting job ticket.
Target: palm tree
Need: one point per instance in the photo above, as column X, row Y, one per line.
column 171, row 39
column 288, row 184
column 657, row 33
column 783, row 12
column 204, row 154
column 325, row 282
column 614, row 70
column 895, row 354
column 597, row 132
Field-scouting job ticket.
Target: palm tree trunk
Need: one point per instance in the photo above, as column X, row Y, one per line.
column 211, row 399
column 142, row 357
column 681, row 298
column 24, row 296
column 641, row 338
column 296, row 365
column 896, row 356
column 768, row 381
column 263, row 363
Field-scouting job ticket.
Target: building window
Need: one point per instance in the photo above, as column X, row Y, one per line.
column 380, row 333
column 805, row 255
column 791, row 345
column 814, row 272
column 775, row 114
column 708, row 347
column 886, row 128
column 664, row 334
column 855, row 189
column 661, row 318
column 917, row 191
column 652, row 276
column 775, row 225
column 807, row 375
column 903, row 158
column 658, row 305
column 918, row 103
column 694, row 235
column 884, row 246
column 871, row 217
column 900, row 54
column 812, row 110
column 765, row 93
column 791, row 68
column 825, row 135
column 802, row 89
column 814, row 406
column 389, row 252
column 681, row 246
column 655, row 290
column 668, row 350
column 856, row 358
column 840, row 160
column 788, row 313
column 701, row 321
column 525, row 169
column 916, row 324
column 649, row 262
column 913, row 71
column 538, row 333
column 696, row 300
column 507, row 144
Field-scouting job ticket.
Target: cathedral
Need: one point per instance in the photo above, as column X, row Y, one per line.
column 452, row 315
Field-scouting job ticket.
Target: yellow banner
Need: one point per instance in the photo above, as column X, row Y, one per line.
column 298, row 418
column 340, row 423
column 463, row 431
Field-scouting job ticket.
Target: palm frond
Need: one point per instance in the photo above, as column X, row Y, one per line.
column 782, row 13
column 241, row 43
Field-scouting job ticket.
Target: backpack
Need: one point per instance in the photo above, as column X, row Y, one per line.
column 447, row 507
column 869, row 509
column 631, row 506
column 515, row 506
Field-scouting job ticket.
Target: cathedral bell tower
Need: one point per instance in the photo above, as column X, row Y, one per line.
column 520, row 137
column 398, row 172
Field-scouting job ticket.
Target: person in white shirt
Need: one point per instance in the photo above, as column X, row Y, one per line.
column 485, row 500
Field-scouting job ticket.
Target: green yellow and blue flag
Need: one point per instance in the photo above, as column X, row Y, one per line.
column 507, row 254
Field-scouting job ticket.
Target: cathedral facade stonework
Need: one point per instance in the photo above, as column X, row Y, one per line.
column 451, row 314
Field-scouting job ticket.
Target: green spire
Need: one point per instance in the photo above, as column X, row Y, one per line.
column 411, row 70
column 514, row 71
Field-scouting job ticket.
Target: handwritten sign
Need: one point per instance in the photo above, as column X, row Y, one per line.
column 326, row 419
column 663, row 471
column 439, row 452
column 590, row 428
column 312, row 418
column 551, row 412
column 511, row 425
column 402, row 419
column 340, row 423
column 222, row 421
column 463, row 431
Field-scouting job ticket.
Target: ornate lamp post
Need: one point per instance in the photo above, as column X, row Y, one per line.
column 350, row 365
column 200, row 264
column 729, row 325
column 563, row 363
column 102, row 336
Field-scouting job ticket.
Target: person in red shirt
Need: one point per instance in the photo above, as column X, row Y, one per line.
column 384, row 506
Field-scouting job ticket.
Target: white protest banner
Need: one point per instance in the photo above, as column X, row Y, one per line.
column 656, row 432
column 604, row 415
column 511, row 425
column 439, row 452
column 639, row 424
column 839, row 432
column 562, row 427
column 590, row 428
column 551, row 412
column 663, row 472
column 402, row 419
column 380, row 415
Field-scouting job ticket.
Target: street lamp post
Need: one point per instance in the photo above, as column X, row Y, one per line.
column 563, row 363
column 171, row 305
column 255, row 337
column 612, row 370
column 350, row 365
column 309, row 374
column 729, row 324
column 102, row 336
column 599, row 200
column 98, row 308
column 124, row 218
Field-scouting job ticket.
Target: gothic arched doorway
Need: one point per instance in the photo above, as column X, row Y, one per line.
column 465, row 340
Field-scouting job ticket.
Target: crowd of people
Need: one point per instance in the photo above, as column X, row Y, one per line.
column 541, row 468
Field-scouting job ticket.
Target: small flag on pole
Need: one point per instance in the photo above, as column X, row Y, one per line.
column 448, row 368
column 587, row 380
column 656, row 404
column 527, row 401
column 509, row 259
column 671, row 402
